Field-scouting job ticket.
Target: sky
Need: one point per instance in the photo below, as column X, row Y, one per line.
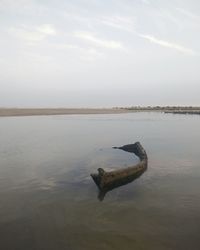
column 99, row 53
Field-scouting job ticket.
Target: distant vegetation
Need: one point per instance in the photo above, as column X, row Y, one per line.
column 192, row 110
column 162, row 108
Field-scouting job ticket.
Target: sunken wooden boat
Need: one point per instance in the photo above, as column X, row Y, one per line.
column 107, row 181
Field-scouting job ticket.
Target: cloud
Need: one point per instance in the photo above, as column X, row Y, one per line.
column 31, row 57
column 27, row 35
column 108, row 44
column 188, row 14
column 119, row 22
column 46, row 29
column 63, row 46
column 13, row 4
column 167, row 44
column 86, row 54
column 126, row 23
column 87, row 21
column 146, row 1
column 33, row 34
column 91, row 55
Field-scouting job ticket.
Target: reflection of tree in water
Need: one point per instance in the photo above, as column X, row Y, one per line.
column 107, row 181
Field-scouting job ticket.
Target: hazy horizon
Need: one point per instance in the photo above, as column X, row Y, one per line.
column 99, row 53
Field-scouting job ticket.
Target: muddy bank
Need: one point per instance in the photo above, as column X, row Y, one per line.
column 58, row 111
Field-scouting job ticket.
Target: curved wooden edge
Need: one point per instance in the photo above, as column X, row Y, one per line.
column 109, row 180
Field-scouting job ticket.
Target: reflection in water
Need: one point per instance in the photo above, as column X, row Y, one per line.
column 107, row 181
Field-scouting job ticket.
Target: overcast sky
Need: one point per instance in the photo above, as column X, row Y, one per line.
column 99, row 53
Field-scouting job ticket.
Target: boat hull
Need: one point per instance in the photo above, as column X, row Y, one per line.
column 109, row 180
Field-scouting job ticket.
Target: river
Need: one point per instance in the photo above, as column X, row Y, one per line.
column 49, row 201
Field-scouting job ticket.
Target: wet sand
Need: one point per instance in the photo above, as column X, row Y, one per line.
column 57, row 111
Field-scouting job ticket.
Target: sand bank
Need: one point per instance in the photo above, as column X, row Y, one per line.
column 58, row 111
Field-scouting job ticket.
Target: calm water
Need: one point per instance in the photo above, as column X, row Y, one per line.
column 48, row 200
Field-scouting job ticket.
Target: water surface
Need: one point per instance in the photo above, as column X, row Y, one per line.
column 49, row 201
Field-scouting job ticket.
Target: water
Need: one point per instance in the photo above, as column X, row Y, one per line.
column 48, row 200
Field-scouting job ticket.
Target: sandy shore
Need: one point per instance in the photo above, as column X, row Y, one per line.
column 59, row 111
column 4, row 112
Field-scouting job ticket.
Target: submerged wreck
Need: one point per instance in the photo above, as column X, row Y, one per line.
column 107, row 181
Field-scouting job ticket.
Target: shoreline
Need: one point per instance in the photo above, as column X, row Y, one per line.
column 8, row 112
